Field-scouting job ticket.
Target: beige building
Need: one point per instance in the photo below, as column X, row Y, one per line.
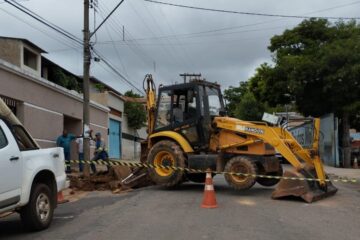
column 38, row 92
column 124, row 141
column 45, row 108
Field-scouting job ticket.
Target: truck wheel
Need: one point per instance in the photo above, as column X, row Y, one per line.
column 38, row 213
column 268, row 182
column 166, row 153
column 240, row 164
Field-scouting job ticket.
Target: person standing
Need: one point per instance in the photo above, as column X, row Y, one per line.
column 80, row 143
column 64, row 141
column 100, row 152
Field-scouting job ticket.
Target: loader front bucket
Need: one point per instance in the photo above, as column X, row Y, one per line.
column 310, row 191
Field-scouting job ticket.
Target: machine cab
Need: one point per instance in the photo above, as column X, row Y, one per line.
column 188, row 109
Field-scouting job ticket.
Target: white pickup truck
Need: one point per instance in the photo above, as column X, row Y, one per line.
column 30, row 178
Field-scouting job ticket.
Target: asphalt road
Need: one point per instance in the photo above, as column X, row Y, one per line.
column 155, row 213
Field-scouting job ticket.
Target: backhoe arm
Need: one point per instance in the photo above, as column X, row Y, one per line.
column 150, row 90
column 282, row 140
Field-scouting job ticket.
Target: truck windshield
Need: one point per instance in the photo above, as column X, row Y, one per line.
column 215, row 105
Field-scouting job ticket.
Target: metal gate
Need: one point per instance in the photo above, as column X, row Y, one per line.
column 115, row 139
column 328, row 146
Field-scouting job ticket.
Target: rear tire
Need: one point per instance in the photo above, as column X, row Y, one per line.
column 240, row 164
column 268, row 182
column 166, row 153
column 38, row 213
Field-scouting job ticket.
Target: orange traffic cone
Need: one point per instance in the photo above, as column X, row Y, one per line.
column 60, row 198
column 209, row 200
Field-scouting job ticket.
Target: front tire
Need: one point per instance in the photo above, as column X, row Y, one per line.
column 166, row 153
column 240, row 164
column 38, row 213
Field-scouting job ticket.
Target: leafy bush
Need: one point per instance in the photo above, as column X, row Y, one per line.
column 135, row 112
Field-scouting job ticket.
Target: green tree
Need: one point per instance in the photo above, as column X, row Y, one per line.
column 100, row 87
column 59, row 77
column 242, row 104
column 135, row 111
column 317, row 65
column 249, row 108
column 67, row 81
column 73, row 84
column 233, row 96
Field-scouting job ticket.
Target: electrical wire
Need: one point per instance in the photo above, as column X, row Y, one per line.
column 106, row 18
column 107, row 63
column 166, row 51
column 245, row 13
column 135, row 48
column 116, row 51
column 37, row 15
column 70, row 45
column 110, row 24
column 44, row 21
column 209, row 35
column 183, row 54
column 220, row 30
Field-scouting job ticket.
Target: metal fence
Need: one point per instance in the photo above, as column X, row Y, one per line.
column 328, row 146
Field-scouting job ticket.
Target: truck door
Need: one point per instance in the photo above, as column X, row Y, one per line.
column 10, row 168
column 185, row 115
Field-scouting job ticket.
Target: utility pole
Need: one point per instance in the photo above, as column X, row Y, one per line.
column 86, row 93
column 86, row 80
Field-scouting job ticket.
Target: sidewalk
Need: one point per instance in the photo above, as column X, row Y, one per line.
column 337, row 172
column 343, row 172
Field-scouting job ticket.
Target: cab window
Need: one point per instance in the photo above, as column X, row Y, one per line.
column 3, row 140
column 164, row 110
column 184, row 106
column 215, row 105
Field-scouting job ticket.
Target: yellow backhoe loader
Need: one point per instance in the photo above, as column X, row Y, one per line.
column 188, row 128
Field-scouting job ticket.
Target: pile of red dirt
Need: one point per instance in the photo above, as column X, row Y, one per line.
column 107, row 180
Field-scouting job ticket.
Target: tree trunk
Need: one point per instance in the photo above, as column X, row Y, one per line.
column 345, row 140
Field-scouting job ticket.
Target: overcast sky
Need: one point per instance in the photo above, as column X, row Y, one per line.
column 166, row 40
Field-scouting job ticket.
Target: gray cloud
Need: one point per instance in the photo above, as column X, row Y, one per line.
column 224, row 56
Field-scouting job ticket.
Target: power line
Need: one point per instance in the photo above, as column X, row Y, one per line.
column 18, row 0
column 107, row 63
column 107, row 17
column 116, row 26
column 116, row 51
column 182, row 54
column 165, row 50
column 68, row 35
column 68, row 44
column 196, row 36
column 220, row 30
column 245, row 13
column 44, row 21
column 37, row 15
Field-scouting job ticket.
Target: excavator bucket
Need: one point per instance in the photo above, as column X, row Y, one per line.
column 310, row 191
